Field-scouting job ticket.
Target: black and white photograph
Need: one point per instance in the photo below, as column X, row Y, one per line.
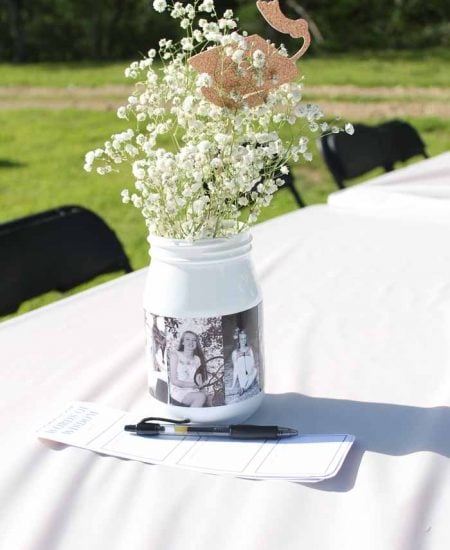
column 186, row 361
column 243, row 358
column 156, row 352
column 205, row 362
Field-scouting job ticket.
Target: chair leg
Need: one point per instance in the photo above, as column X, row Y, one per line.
column 297, row 196
column 127, row 266
column 340, row 183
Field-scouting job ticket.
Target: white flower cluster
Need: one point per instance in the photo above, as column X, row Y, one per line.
column 201, row 170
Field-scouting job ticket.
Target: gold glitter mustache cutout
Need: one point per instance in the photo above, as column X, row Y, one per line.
column 297, row 28
column 237, row 83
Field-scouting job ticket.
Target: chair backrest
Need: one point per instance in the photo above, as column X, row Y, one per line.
column 370, row 147
column 400, row 141
column 54, row 250
column 348, row 157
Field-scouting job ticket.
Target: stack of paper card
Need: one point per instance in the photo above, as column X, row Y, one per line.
column 306, row 458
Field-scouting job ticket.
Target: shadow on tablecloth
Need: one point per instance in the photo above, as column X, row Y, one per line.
column 379, row 427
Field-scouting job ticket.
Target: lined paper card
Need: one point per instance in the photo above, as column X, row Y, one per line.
column 306, row 458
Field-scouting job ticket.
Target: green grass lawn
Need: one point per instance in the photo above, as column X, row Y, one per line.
column 410, row 68
column 42, row 150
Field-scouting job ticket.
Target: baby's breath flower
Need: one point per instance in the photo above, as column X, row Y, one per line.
column 216, row 163
column 204, row 146
column 207, row 6
column 159, row 5
column 300, row 111
column 349, row 128
column 187, row 43
column 222, row 139
column 197, row 35
column 203, row 80
column 237, row 56
column 222, row 162
column 89, row 157
column 125, row 196
column 178, row 10
column 122, row 112
column 136, row 200
column 211, row 32
column 283, row 51
column 190, row 11
column 130, row 73
column 227, row 24
column 259, row 59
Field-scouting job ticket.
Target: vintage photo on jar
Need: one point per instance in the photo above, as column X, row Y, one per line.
column 186, row 367
column 156, row 353
column 243, row 354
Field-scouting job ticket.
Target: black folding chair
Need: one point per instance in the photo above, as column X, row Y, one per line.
column 400, row 141
column 370, row 147
column 55, row 250
column 289, row 183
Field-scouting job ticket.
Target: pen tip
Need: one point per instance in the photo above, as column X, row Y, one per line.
column 130, row 428
column 286, row 432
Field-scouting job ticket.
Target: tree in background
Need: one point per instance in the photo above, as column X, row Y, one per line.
column 345, row 25
column 381, row 24
column 63, row 30
column 14, row 16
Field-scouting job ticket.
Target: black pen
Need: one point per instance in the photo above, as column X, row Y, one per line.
column 235, row 431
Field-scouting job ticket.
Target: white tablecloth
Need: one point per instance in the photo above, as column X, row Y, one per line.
column 357, row 329
column 420, row 190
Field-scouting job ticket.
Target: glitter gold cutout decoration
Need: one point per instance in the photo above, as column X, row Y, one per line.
column 234, row 84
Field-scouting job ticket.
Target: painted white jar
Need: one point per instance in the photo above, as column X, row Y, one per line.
column 203, row 317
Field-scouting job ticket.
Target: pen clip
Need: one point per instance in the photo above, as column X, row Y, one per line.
column 170, row 421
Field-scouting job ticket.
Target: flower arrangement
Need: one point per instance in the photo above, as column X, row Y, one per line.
column 226, row 160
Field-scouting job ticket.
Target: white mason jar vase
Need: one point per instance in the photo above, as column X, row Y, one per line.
column 203, row 317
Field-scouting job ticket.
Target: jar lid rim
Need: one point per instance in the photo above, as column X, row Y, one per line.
column 170, row 242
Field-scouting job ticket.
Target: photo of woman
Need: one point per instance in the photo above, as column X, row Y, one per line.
column 243, row 355
column 188, row 374
column 205, row 361
column 244, row 368
column 158, row 346
column 157, row 349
